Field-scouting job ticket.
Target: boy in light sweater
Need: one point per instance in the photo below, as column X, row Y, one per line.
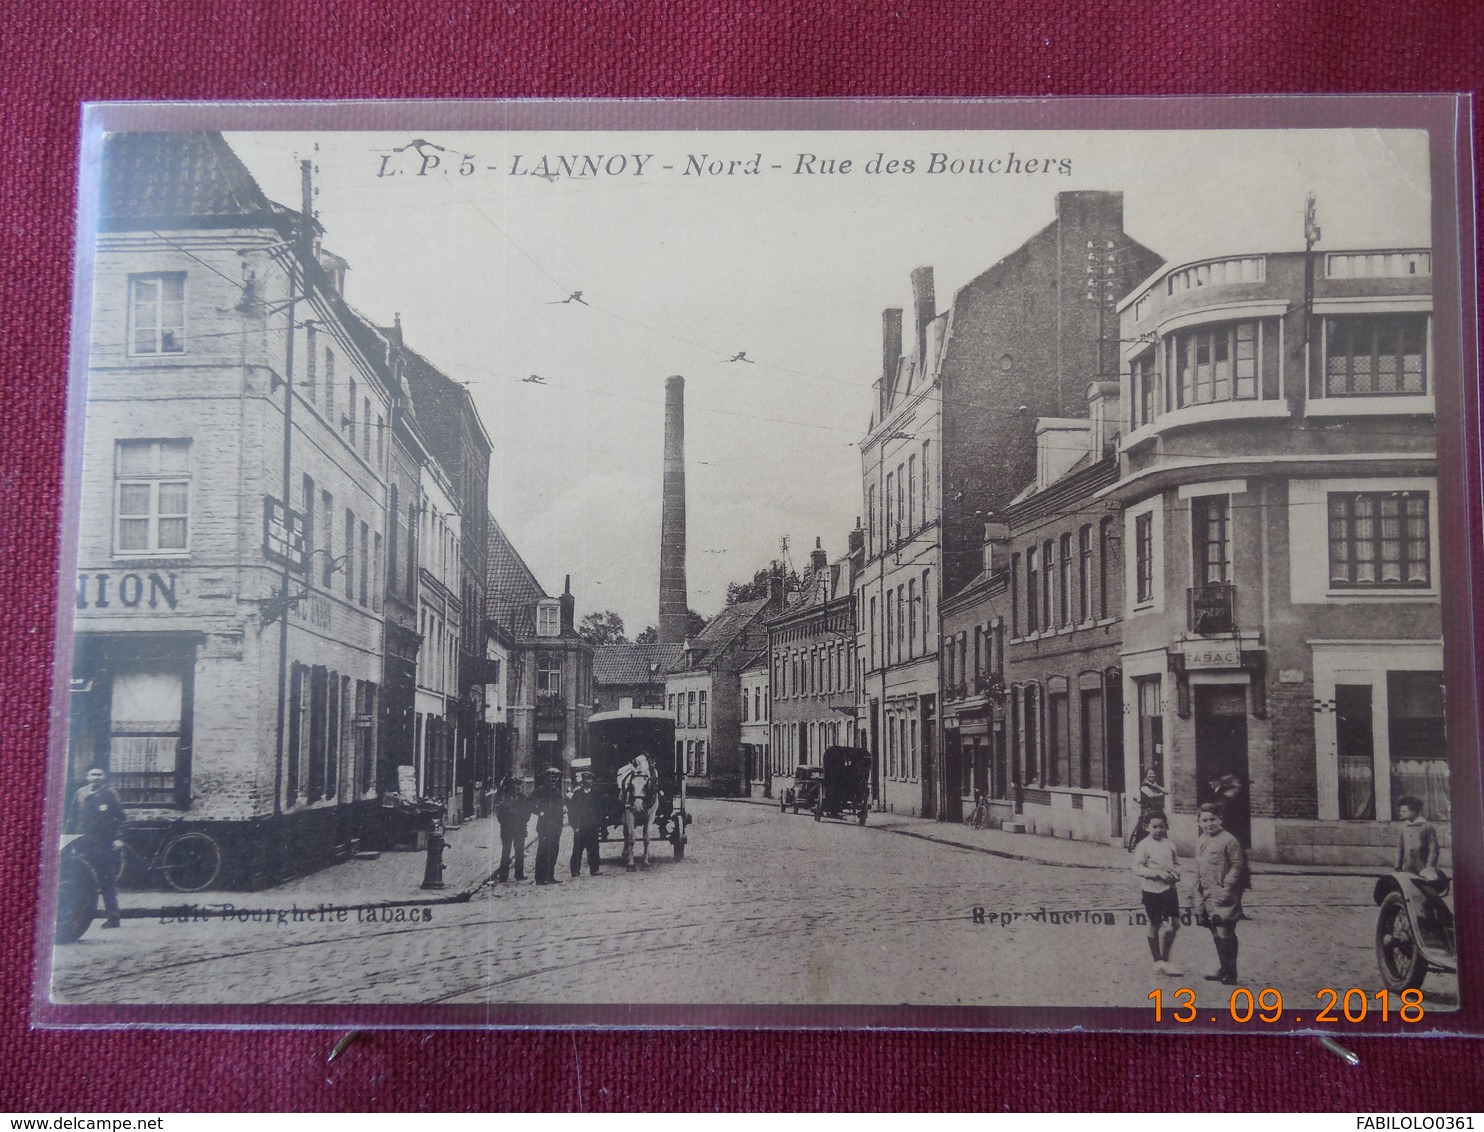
column 1158, row 869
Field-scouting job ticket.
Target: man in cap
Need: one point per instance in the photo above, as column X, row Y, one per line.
column 513, row 812
column 97, row 814
column 547, row 801
column 584, row 814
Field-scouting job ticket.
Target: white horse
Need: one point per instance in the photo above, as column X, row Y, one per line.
column 636, row 790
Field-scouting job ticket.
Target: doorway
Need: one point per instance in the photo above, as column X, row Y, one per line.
column 1221, row 754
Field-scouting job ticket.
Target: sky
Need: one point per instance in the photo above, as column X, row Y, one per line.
column 682, row 268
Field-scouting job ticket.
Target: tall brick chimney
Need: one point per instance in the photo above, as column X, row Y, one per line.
column 925, row 308
column 674, row 602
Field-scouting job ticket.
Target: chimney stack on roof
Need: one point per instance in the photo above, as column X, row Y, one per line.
column 925, row 307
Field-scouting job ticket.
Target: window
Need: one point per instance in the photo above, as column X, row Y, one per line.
column 901, row 600
column 350, row 408
column 871, row 632
column 548, row 676
column 926, row 614
column 365, row 562
column 330, row 385
column 701, row 710
column 148, row 747
column 366, row 427
column 1145, row 389
column 1210, row 519
column 911, row 494
column 1144, row 556
column 548, row 619
column 1084, row 554
column 690, row 709
column 311, row 359
column 911, row 616
column 1048, row 568
column 926, row 477
column 890, row 480
column 350, row 556
column 1379, row 539
column 1216, row 363
column 1056, row 739
column 1032, row 609
column 1064, row 589
column 897, row 531
column 701, row 767
column 1375, row 355
column 1105, row 548
column 1419, row 754
column 152, row 496
column 157, row 313
column 677, row 708
column 1151, row 727
column 1015, row 595
column 690, row 756
column 871, row 520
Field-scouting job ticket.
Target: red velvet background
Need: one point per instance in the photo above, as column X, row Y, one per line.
column 53, row 56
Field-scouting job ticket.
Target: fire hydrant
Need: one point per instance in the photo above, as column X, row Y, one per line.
column 433, row 871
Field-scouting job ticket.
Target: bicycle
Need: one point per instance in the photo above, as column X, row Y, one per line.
column 980, row 817
column 187, row 862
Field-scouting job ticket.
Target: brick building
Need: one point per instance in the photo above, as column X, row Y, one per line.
column 812, row 648
column 1280, row 515
column 548, row 679
column 951, row 441
column 705, row 694
column 229, row 615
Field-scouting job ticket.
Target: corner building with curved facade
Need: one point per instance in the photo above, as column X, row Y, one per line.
column 1282, row 638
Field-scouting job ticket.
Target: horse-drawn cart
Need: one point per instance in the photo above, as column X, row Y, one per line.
column 615, row 739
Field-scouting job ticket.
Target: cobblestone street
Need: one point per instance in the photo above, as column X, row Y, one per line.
column 765, row 908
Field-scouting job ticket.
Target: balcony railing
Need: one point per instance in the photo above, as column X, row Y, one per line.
column 1212, row 609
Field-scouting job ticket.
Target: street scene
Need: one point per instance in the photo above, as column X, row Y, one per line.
column 552, row 566
column 776, row 910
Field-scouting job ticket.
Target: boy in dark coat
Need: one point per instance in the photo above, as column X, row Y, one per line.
column 513, row 812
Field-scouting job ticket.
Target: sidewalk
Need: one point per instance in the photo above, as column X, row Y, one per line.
column 471, row 857
column 1064, row 852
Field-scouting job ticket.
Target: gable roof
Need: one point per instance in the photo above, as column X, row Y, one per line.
column 724, row 628
column 629, row 663
column 512, row 591
column 178, row 176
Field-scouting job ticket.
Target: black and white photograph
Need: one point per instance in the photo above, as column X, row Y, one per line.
column 553, row 574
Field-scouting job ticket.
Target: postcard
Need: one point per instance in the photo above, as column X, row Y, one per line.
column 979, row 564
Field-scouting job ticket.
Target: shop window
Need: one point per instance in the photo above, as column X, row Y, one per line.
column 1379, row 539
column 1375, row 355
column 152, row 496
column 144, row 736
column 157, row 313
column 1419, row 751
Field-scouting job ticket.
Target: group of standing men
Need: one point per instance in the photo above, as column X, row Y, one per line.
column 548, row 804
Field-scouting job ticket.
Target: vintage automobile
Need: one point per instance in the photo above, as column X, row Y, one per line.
column 804, row 793
column 846, row 788
column 1415, row 931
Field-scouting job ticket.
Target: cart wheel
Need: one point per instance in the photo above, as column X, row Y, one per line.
column 677, row 839
column 77, row 898
column 1397, row 954
column 191, row 862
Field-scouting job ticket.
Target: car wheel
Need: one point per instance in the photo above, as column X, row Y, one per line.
column 1398, row 957
column 77, row 898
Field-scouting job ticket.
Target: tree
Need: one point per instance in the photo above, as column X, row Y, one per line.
column 605, row 628
column 694, row 623
column 758, row 587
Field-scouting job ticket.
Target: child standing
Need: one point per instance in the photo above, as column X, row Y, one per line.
column 1157, row 866
column 1417, row 840
column 1220, row 880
